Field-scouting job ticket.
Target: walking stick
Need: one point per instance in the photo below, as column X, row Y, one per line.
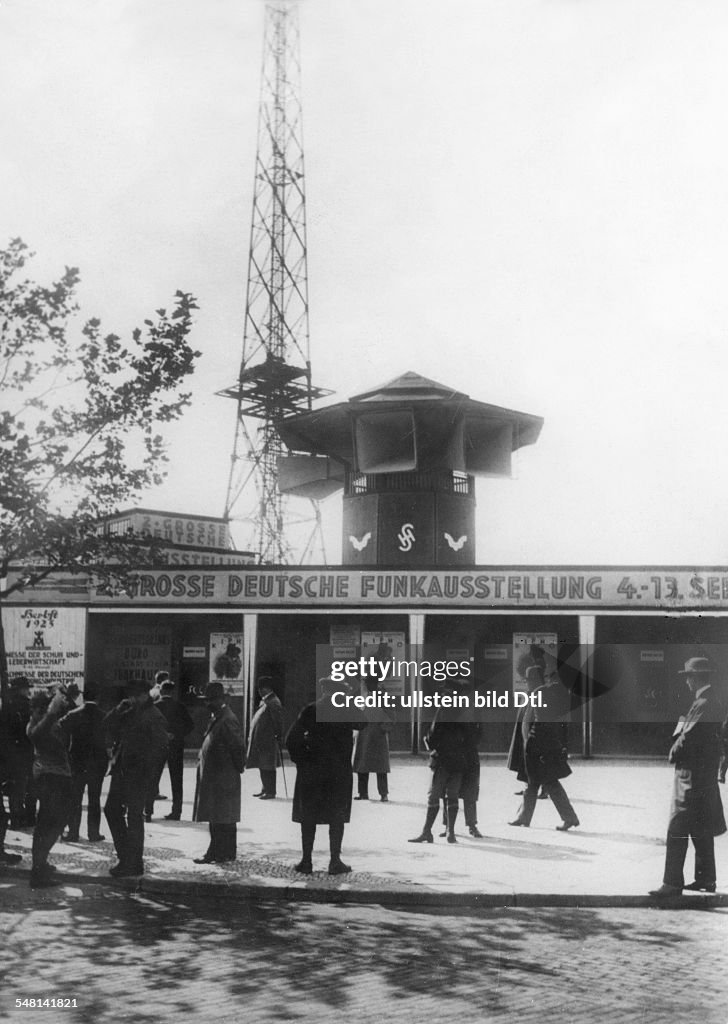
column 285, row 784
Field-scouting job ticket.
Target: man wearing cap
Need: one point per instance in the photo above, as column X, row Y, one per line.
column 449, row 746
column 138, row 732
column 696, row 811
column 52, row 776
column 221, row 763
column 264, row 744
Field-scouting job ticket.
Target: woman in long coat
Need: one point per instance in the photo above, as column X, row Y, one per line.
column 539, row 753
column 221, row 763
column 321, row 751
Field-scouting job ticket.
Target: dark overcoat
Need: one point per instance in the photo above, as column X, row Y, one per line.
column 371, row 748
column 696, row 805
column 221, row 762
column 266, row 731
column 321, row 752
column 539, row 747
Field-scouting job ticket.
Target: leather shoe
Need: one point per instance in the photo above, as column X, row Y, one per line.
column 96, row 839
column 523, row 824
column 122, row 871
column 700, row 887
column 361, row 797
column 384, row 799
column 425, row 837
column 451, row 838
column 42, row 880
column 203, row 860
column 566, row 825
column 262, row 792
column 267, row 796
column 172, row 817
column 304, row 867
column 665, row 891
column 337, row 867
column 475, row 832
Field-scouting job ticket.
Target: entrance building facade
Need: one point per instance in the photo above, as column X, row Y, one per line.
column 617, row 636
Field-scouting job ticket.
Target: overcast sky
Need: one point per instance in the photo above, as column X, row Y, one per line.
column 524, row 199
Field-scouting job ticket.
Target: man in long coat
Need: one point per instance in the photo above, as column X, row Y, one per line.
column 696, row 811
column 264, row 744
column 321, row 751
column 371, row 752
column 539, row 750
column 221, row 763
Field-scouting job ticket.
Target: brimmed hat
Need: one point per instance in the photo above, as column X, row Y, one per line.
column 72, row 690
column 40, row 699
column 19, row 683
column 213, row 691
column 696, row 667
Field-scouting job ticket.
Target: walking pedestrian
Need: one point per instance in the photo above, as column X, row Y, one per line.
column 321, row 751
column 371, row 753
column 139, row 735
column 179, row 724
column 18, row 750
column 52, row 777
column 539, row 749
column 221, row 763
column 696, row 811
column 264, row 744
column 5, row 856
column 83, row 729
column 447, row 743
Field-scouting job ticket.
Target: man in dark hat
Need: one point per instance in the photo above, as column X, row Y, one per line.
column 139, row 735
column 179, row 725
column 264, row 744
column 83, row 728
column 539, row 749
column 696, row 811
column 221, row 763
column 321, row 749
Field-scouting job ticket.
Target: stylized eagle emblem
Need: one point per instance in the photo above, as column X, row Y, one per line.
column 360, row 544
column 455, row 544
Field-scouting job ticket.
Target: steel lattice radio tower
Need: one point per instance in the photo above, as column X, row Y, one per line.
column 275, row 372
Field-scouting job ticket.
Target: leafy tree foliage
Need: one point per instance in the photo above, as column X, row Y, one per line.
column 79, row 427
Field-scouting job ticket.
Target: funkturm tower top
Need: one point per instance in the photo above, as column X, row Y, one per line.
column 275, row 371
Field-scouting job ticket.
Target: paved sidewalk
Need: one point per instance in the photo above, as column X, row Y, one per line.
column 612, row 859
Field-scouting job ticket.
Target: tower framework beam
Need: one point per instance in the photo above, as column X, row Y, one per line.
column 275, row 371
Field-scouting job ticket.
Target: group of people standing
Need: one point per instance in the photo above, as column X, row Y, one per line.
column 74, row 747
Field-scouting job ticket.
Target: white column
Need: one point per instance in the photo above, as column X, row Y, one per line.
column 587, row 636
column 250, row 648
column 416, row 639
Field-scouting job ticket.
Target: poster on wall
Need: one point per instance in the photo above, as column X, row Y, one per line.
column 136, row 652
column 46, row 645
column 226, row 662
column 344, row 641
column 386, row 647
column 530, row 648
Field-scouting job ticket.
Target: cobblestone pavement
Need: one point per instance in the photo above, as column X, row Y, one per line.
column 128, row 957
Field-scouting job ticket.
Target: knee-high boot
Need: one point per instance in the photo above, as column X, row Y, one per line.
column 426, row 835
column 452, row 813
